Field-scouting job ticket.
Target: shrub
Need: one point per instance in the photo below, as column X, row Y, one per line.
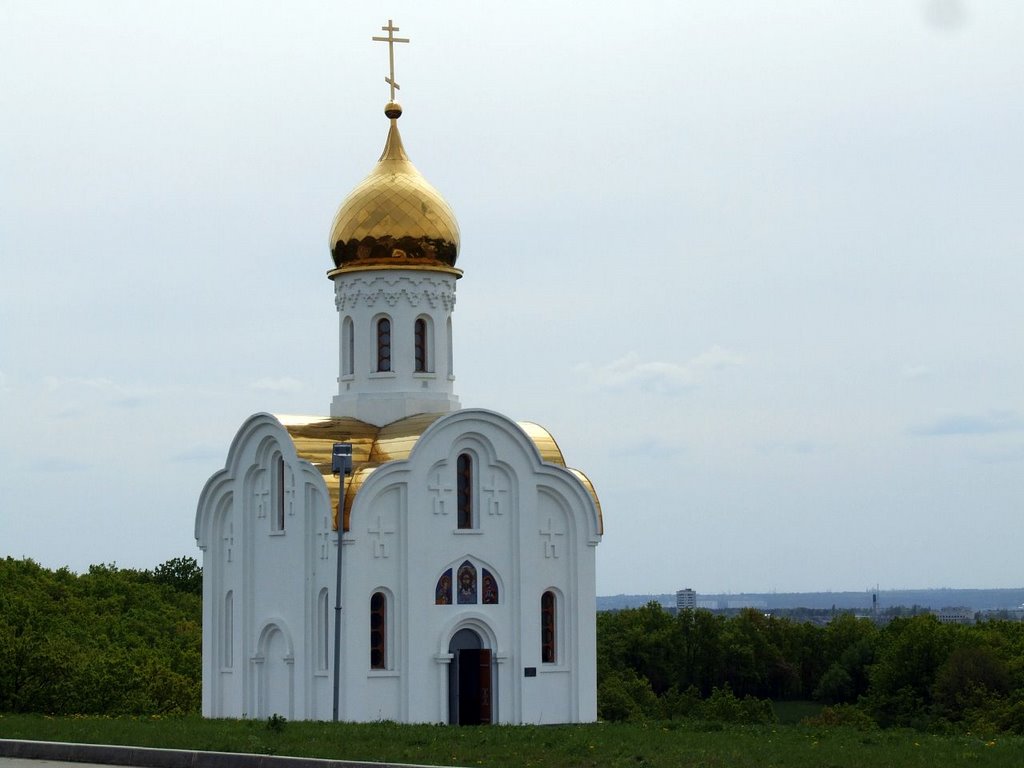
column 842, row 716
column 723, row 706
column 623, row 695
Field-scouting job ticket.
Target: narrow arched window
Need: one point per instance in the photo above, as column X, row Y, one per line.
column 465, row 592
column 443, row 589
column 547, row 628
column 490, row 588
column 384, row 344
column 348, row 347
column 420, row 345
column 277, row 520
column 464, row 485
column 379, row 631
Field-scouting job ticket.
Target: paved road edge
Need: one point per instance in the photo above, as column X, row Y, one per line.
column 147, row 757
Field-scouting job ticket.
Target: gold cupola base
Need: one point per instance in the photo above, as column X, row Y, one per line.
column 394, row 217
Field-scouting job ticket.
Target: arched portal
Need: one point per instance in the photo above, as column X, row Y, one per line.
column 274, row 668
column 470, row 693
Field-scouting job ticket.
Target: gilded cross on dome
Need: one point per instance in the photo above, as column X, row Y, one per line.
column 391, row 40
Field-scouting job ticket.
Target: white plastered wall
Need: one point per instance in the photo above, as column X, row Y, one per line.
column 535, row 529
column 402, row 296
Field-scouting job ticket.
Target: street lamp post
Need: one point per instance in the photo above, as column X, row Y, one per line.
column 341, row 465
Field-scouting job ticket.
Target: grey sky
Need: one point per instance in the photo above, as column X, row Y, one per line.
column 757, row 266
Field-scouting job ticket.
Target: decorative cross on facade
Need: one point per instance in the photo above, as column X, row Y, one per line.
column 391, row 40
column 551, row 545
column 494, row 506
column 380, row 546
column 440, row 491
column 262, row 500
column 323, row 536
column 229, row 541
column 289, row 499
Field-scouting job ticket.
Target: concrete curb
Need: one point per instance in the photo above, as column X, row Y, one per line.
column 145, row 757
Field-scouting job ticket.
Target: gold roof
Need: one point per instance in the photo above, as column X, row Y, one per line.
column 394, row 218
column 314, row 438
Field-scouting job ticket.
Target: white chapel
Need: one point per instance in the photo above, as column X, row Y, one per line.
column 445, row 571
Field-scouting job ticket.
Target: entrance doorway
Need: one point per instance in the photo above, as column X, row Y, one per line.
column 469, row 680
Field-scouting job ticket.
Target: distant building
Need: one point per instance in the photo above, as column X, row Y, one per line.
column 1002, row 614
column 737, row 604
column 686, row 600
column 707, row 605
column 955, row 615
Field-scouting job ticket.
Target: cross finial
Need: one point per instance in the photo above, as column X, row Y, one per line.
column 391, row 40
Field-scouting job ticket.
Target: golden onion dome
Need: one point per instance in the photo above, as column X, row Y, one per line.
column 394, row 217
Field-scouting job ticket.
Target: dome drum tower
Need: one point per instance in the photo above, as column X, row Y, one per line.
column 394, row 242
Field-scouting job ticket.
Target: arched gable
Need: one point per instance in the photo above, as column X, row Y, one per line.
column 275, row 670
column 259, row 437
column 467, row 430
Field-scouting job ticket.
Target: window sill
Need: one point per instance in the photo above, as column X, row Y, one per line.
column 382, row 673
column 467, row 532
column 383, row 375
column 277, row 533
column 553, row 668
column 429, row 375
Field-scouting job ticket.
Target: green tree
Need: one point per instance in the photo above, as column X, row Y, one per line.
column 110, row 641
column 910, row 653
column 183, row 574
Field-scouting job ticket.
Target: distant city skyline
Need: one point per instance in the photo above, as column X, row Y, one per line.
column 758, row 267
column 933, row 599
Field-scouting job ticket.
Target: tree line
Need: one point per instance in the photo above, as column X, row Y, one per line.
column 126, row 642
column 912, row 672
column 111, row 641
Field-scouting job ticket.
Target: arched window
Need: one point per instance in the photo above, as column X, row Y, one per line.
column 547, row 628
column 422, row 361
column 464, row 493
column 348, row 347
column 466, row 586
column 277, row 481
column 490, row 588
column 443, row 589
column 379, row 631
column 384, row 344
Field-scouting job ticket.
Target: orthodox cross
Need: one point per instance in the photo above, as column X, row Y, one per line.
column 262, row 498
column 391, row 40
column 551, row 545
column 229, row 540
column 323, row 536
column 289, row 494
column 440, row 491
column 380, row 546
column 494, row 491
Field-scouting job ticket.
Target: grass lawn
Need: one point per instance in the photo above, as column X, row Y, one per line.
column 670, row 745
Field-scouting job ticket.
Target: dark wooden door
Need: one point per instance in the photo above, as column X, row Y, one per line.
column 474, row 681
